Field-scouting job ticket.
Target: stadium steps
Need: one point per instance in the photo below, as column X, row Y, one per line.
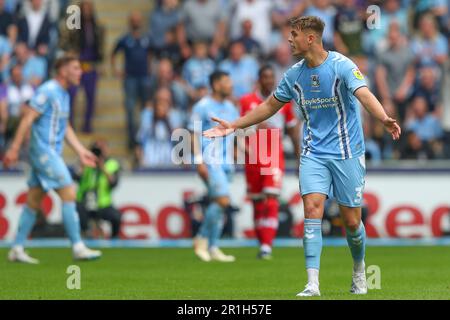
column 109, row 119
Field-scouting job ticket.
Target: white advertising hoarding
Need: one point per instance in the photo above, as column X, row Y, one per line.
column 411, row 205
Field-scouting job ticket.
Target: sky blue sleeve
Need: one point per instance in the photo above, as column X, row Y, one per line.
column 40, row 101
column 353, row 78
column 283, row 92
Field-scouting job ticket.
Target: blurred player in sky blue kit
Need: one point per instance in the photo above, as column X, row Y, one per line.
column 46, row 115
column 327, row 86
column 214, row 161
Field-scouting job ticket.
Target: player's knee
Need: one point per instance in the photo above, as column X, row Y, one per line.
column 352, row 224
column 223, row 201
column 313, row 209
column 34, row 200
column 67, row 194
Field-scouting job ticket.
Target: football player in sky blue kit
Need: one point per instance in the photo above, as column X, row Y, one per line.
column 46, row 116
column 214, row 159
column 327, row 86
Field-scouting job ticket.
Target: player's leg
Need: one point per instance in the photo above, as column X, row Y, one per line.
column 269, row 222
column 254, row 192
column 26, row 223
column 212, row 225
column 315, row 182
column 71, row 222
column 216, row 212
column 356, row 240
column 348, row 186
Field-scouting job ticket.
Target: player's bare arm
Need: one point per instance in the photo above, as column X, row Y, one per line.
column 374, row 107
column 12, row 155
column 87, row 157
column 261, row 113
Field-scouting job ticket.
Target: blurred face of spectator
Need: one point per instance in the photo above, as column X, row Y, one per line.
column 22, row 52
column 237, row 51
column 135, row 21
column 391, row 5
column 163, row 102
column 427, row 78
column 321, row 4
column 201, row 50
column 283, row 54
column 428, row 27
column 16, row 75
column 420, row 107
column 2, row 5
column 394, row 33
column 267, row 80
column 170, row 4
column 223, row 86
column 36, row 5
column 414, row 141
column 71, row 72
column 349, row 3
column 247, row 28
column 165, row 71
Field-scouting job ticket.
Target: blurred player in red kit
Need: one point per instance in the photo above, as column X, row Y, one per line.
column 264, row 163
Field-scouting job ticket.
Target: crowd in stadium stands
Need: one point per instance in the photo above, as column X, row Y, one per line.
column 403, row 54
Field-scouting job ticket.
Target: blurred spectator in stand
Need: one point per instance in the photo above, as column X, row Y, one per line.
column 18, row 93
column 87, row 43
column 163, row 20
column 158, row 120
column 438, row 8
column 415, row 149
column 282, row 60
column 34, row 67
column 165, row 77
column 429, row 87
column 5, row 54
column 202, row 20
column 430, row 46
column 94, row 196
column 242, row 68
column 8, row 26
column 395, row 72
column 327, row 12
column 391, row 10
column 425, row 125
column 136, row 48
column 252, row 46
column 51, row 7
column 197, row 69
column 373, row 150
column 35, row 27
column 349, row 27
column 259, row 13
column 283, row 10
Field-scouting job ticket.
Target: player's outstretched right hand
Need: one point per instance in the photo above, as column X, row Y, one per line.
column 11, row 157
column 223, row 129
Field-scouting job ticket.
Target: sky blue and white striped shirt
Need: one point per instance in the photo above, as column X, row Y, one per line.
column 325, row 95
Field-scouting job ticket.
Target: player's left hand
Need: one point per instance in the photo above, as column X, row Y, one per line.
column 392, row 127
column 223, row 129
column 87, row 158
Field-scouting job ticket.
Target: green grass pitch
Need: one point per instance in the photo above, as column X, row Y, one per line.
column 406, row 273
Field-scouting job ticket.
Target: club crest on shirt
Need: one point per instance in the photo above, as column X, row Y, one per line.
column 315, row 83
column 357, row 74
